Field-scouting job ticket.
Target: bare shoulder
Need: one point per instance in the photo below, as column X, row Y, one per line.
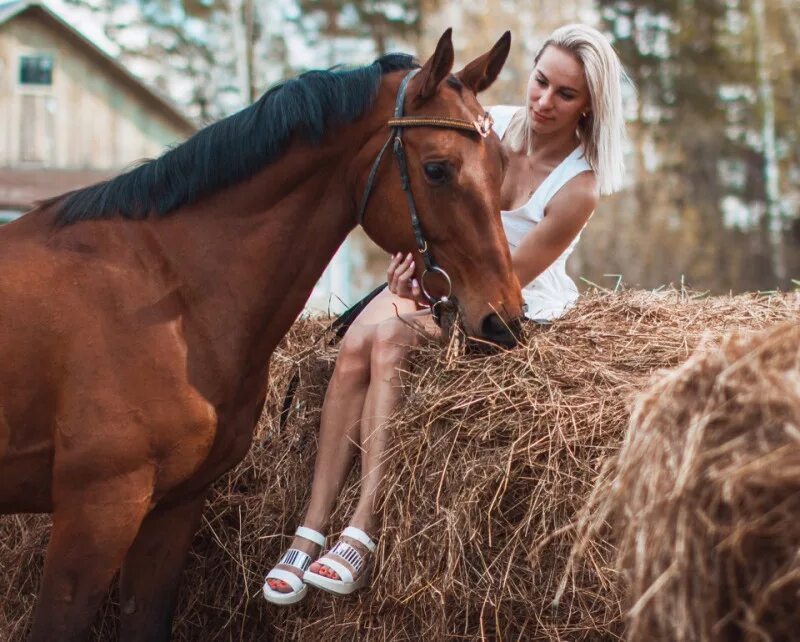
column 579, row 195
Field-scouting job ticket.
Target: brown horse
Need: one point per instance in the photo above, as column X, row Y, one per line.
column 139, row 315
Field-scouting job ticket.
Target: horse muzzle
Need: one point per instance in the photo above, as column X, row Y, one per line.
column 504, row 333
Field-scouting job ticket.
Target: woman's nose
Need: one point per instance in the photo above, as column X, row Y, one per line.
column 546, row 99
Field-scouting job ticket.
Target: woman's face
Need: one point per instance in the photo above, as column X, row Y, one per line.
column 557, row 92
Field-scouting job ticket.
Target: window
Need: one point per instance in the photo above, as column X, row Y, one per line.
column 36, row 70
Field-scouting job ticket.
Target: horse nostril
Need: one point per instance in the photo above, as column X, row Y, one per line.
column 496, row 330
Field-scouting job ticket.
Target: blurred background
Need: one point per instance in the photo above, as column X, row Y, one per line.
column 88, row 87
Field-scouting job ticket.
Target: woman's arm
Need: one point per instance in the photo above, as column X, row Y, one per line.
column 565, row 216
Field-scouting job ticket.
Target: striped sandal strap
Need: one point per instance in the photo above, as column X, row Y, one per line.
column 296, row 559
column 346, row 557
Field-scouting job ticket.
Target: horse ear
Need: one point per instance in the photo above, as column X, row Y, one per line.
column 483, row 71
column 438, row 66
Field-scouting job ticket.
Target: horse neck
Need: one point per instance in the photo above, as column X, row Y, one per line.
column 249, row 256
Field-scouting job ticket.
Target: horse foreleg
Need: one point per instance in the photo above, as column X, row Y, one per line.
column 93, row 527
column 152, row 570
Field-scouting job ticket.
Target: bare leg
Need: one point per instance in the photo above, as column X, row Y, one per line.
column 338, row 435
column 392, row 341
column 341, row 416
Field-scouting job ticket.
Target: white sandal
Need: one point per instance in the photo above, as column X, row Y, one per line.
column 294, row 559
column 349, row 562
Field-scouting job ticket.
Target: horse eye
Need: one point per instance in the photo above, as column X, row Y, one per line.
column 436, row 173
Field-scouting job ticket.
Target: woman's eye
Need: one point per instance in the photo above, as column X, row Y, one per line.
column 541, row 82
column 436, row 173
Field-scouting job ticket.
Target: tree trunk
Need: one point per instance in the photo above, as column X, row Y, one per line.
column 250, row 37
column 775, row 215
column 239, row 38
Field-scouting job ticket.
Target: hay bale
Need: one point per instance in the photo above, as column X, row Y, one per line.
column 491, row 460
column 704, row 497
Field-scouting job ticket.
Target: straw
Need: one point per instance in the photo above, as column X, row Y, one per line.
column 492, row 459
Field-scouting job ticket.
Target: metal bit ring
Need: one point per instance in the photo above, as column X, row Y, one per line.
column 436, row 268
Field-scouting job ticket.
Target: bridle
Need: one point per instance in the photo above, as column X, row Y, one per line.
column 483, row 126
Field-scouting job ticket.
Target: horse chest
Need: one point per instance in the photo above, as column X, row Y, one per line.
column 231, row 444
column 231, row 436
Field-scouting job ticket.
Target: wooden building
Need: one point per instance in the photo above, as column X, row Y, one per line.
column 70, row 114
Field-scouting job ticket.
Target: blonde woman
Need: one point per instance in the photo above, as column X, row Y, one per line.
column 564, row 150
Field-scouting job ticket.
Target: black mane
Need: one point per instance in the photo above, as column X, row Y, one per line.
column 236, row 147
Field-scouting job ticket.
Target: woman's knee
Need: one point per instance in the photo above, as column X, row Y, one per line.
column 391, row 343
column 353, row 360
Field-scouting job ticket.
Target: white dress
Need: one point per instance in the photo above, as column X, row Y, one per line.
column 553, row 292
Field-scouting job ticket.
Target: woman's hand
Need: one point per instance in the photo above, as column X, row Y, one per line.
column 400, row 275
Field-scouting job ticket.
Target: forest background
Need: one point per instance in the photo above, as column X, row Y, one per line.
column 712, row 199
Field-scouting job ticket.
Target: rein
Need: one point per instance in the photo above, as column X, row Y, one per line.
column 483, row 126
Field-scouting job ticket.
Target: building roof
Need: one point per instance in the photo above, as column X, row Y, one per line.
column 21, row 188
column 156, row 100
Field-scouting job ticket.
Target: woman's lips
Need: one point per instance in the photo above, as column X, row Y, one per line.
column 539, row 118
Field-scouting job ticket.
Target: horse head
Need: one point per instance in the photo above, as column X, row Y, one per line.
column 441, row 198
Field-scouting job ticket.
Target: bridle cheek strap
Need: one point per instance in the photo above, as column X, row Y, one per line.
column 482, row 125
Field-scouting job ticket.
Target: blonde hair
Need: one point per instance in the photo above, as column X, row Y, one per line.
column 602, row 131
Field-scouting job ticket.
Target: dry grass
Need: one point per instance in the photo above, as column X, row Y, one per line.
column 492, row 459
column 703, row 500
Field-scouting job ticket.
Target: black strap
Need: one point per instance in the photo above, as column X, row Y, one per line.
column 345, row 319
column 400, row 101
column 399, row 104
column 371, row 180
column 405, row 179
column 339, row 326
